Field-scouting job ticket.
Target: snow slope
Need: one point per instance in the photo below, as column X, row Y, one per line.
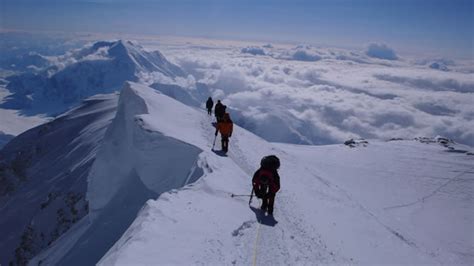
column 43, row 178
column 12, row 123
column 420, row 191
column 401, row 202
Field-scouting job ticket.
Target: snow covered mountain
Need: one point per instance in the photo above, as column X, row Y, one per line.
column 43, row 178
column 100, row 68
column 31, row 61
column 133, row 164
column 157, row 194
column 63, row 205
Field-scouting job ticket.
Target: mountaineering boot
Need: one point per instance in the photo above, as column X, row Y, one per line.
column 271, row 201
column 225, row 145
column 264, row 205
column 270, row 210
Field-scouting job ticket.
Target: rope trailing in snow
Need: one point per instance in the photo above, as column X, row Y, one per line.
column 422, row 200
column 255, row 250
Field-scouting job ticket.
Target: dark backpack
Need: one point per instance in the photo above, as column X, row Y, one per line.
column 219, row 109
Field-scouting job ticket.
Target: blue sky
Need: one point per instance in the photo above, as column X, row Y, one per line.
column 442, row 26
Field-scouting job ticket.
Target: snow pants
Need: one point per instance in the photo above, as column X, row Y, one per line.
column 225, row 143
column 267, row 202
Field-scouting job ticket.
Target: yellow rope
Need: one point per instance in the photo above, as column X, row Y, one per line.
column 256, row 245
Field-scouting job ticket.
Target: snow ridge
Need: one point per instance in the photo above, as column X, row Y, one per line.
column 130, row 147
column 134, row 163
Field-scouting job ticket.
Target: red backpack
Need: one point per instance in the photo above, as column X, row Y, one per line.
column 264, row 182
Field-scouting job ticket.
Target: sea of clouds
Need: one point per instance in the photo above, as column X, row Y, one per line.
column 313, row 95
column 321, row 95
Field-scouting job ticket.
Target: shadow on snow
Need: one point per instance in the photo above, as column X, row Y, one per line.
column 262, row 218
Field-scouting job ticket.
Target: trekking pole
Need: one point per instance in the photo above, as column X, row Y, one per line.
column 214, row 143
column 251, row 196
column 237, row 195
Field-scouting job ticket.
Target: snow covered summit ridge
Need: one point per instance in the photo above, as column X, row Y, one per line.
column 151, row 146
column 145, row 141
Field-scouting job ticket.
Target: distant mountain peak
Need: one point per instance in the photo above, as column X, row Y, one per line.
column 101, row 67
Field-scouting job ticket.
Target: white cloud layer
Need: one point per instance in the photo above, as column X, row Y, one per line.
column 302, row 53
column 336, row 95
column 318, row 95
column 381, row 51
column 253, row 50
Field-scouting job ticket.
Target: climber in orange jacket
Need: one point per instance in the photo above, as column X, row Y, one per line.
column 225, row 127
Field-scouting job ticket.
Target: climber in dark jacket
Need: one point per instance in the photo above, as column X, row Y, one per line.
column 266, row 182
column 209, row 105
column 219, row 110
